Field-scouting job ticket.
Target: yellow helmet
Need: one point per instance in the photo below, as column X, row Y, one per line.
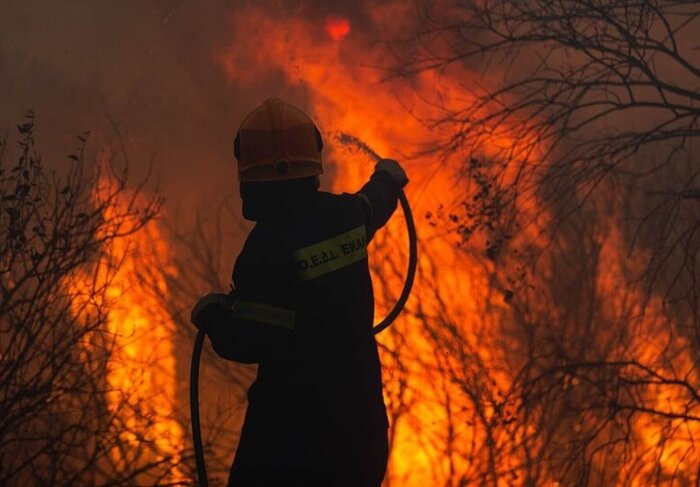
column 276, row 142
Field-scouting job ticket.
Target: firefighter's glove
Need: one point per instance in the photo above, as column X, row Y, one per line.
column 211, row 309
column 393, row 169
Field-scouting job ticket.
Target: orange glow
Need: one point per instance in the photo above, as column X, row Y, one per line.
column 337, row 27
column 141, row 370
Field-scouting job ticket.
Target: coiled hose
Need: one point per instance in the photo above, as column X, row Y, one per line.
column 385, row 323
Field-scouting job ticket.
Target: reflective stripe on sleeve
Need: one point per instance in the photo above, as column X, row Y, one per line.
column 332, row 254
column 264, row 313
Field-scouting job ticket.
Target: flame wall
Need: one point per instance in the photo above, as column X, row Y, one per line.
column 463, row 367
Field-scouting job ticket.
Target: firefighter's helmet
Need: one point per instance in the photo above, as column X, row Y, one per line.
column 277, row 142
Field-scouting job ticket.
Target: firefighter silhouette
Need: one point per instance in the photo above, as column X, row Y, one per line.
column 302, row 309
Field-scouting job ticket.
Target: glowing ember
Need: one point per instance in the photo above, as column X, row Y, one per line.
column 337, row 27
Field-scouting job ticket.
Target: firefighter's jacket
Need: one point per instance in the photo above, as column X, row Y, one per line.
column 304, row 312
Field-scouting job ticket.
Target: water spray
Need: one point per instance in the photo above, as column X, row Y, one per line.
column 348, row 141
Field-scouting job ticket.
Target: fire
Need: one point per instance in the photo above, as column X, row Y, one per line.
column 674, row 380
column 337, row 27
column 438, row 439
column 141, row 381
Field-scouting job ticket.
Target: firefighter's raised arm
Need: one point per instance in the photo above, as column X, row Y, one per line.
column 380, row 194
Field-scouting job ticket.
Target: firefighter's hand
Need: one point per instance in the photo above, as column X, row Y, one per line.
column 210, row 309
column 394, row 170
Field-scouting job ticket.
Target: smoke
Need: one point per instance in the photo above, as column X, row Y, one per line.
column 142, row 74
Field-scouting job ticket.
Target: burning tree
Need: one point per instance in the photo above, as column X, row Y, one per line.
column 65, row 419
column 577, row 147
column 592, row 93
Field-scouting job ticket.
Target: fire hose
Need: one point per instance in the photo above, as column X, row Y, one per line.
column 385, row 323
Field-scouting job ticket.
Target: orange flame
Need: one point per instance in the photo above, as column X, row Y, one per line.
column 141, row 379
